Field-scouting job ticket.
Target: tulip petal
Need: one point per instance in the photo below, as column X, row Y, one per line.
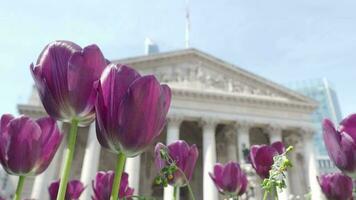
column 243, row 182
column 348, row 149
column 336, row 186
column 115, row 82
column 217, row 176
column 262, row 159
column 159, row 162
column 332, row 141
column 348, row 125
column 85, row 67
column 53, row 190
column 51, row 106
column 74, row 189
column 24, row 146
column 4, row 137
column 101, row 125
column 50, row 141
column 279, row 146
column 190, row 162
column 141, row 115
column 53, row 62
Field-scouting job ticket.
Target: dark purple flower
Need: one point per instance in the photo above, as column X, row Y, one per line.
column 229, row 178
column 341, row 144
column 102, row 186
column 336, row 186
column 27, row 146
column 65, row 75
column 183, row 155
column 74, row 190
column 131, row 109
column 261, row 157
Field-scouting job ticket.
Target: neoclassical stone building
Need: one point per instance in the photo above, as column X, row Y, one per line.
column 221, row 108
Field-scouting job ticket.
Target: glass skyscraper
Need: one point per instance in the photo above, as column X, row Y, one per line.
column 323, row 92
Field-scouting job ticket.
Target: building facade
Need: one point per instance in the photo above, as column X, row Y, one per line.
column 321, row 91
column 221, row 108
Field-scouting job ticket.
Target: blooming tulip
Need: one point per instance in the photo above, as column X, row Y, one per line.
column 131, row 109
column 336, row 186
column 183, row 155
column 27, row 146
column 102, row 186
column 261, row 157
column 229, row 178
column 65, row 75
column 341, row 144
column 73, row 192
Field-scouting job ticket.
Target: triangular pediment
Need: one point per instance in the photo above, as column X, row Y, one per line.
column 192, row 69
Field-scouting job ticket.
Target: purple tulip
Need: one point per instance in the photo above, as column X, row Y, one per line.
column 184, row 156
column 102, row 186
column 131, row 109
column 341, row 144
column 229, row 178
column 336, row 186
column 261, row 157
column 74, row 190
column 27, row 146
column 65, row 75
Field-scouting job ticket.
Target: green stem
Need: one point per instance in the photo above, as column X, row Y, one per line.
column 265, row 195
column 68, row 159
column 188, row 185
column 275, row 193
column 118, row 172
column 175, row 192
column 19, row 188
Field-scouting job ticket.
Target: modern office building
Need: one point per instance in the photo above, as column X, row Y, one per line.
column 323, row 92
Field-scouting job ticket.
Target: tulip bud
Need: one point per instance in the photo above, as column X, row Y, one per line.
column 74, row 190
column 131, row 110
column 27, row 146
column 103, row 183
column 229, row 179
column 262, row 157
column 341, row 144
column 179, row 155
column 64, row 76
column 336, row 186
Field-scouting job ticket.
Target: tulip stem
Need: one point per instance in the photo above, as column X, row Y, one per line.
column 175, row 192
column 118, row 173
column 265, row 195
column 68, row 159
column 19, row 188
column 188, row 185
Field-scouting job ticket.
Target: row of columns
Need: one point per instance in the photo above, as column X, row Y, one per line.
column 209, row 155
column 132, row 167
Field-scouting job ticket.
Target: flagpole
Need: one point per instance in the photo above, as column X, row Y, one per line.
column 187, row 24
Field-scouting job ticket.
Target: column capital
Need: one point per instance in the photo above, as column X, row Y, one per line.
column 208, row 122
column 174, row 120
column 307, row 132
column 244, row 125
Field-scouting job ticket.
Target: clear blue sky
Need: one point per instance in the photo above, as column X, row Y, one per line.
column 281, row 40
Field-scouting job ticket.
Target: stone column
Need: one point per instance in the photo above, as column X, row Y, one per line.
column 243, row 140
column 172, row 135
column 42, row 181
column 275, row 135
column 90, row 162
column 311, row 164
column 132, row 167
column 209, row 159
